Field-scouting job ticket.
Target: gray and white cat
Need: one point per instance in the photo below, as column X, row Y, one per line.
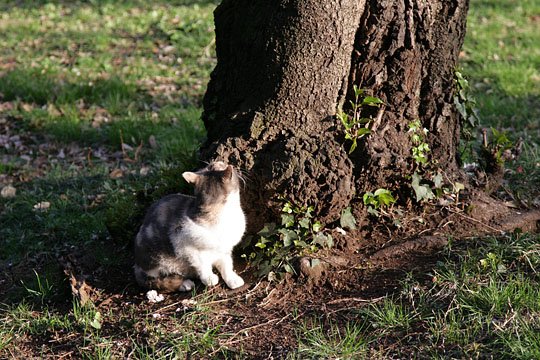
column 185, row 237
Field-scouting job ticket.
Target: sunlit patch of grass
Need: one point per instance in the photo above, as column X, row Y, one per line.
column 317, row 341
column 482, row 299
column 482, row 295
column 501, row 58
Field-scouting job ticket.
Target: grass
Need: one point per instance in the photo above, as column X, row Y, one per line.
column 101, row 101
column 482, row 299
column 101, row 104
column 501, row 58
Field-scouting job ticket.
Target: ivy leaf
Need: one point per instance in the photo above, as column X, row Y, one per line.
column 288, row 236
column 438, row 180
column 287, row 220
column 347, row 220
column 287, row 208
column 96, row 322
column 261, row 244
column 458, row 187
column 422, row 192
column 288, row 268
column 304, row 223
column 323, row 240
column 268, row 229
column 384, row 197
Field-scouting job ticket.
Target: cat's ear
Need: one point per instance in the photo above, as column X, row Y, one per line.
column 227, row 173
column 190, row 177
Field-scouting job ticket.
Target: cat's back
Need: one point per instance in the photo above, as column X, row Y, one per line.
column 167, row 212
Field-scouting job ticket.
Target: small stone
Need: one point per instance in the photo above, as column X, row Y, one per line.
column 8, row 192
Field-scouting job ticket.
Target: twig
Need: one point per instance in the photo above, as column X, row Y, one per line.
column 477, row 221
column 89, row 157
column 137, row 151
column 213, row 301
column 337, row 301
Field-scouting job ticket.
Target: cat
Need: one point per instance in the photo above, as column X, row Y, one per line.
column 184, row 237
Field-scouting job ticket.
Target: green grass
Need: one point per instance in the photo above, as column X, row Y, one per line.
column 502, row 59
column 91, row 88
column 483, row 298
column 341, row 341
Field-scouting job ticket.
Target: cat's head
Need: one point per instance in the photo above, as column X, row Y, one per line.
column 215, row 182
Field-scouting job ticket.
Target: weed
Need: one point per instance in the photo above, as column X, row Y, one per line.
column 389, row 315
column 43, row 289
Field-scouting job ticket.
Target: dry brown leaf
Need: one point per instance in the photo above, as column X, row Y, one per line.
column 80, row 289
column 8, row 192
column 42, row 206
column 116, row 174
column 53, row 110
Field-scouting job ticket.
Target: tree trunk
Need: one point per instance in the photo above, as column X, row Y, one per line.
column 285, row 68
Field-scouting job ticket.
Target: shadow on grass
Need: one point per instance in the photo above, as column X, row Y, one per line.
column 31, row 85
column 127, row 111
column 93, row 239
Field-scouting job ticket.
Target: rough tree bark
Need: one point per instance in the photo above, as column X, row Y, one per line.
column 286, row 66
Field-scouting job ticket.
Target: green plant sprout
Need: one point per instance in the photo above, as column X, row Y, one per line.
column 43, row 289
column 355, row 125
column 381, row 198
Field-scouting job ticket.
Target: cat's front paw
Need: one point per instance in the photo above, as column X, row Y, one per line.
column 234, row 281
column 187, row 285
column 210, row 280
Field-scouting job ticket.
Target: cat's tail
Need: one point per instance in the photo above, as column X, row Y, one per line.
column 164, row 284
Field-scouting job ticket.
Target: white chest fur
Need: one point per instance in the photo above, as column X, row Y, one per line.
column 225, row 232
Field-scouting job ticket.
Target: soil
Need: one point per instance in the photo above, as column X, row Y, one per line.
column 261, row 318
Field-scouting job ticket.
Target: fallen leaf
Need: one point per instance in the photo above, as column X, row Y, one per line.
column 53, row 110
column 168, row 49
column 27, row 107
column 101, row 116
column 144, row 171
column 116, row 174
column 42, row 206
column 8, row 192
column 80, row 289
